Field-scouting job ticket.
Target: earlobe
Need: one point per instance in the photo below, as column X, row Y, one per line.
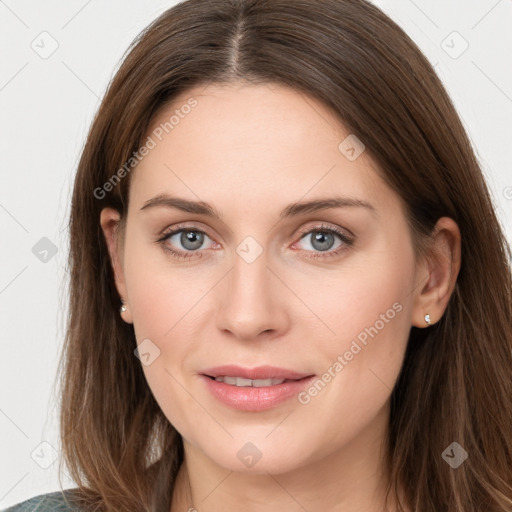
column 125, row 312
column 109, row 220
column 441, row 266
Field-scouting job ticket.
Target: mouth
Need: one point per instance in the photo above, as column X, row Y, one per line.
column 256, row 383
column 260, row 373
column 254, row 389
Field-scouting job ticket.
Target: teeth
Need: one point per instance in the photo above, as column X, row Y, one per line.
column 241, row 382
column 259, row 383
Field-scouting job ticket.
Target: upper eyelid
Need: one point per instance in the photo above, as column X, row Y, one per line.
column 326, row 227
column 183, row 227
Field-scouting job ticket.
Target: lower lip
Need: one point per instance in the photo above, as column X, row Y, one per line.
column 255, row 399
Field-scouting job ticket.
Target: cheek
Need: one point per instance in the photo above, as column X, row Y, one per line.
column 163, row 312
column 159, row 294
column 367, row 309
column 367, row 298
column 168, row 307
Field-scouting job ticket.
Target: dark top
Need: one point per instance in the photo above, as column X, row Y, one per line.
column 50, row 502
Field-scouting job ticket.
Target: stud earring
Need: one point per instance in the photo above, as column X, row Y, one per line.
column 427, row 319
column 123, row 308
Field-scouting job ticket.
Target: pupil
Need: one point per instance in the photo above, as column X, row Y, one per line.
column 191, row 240
column 325, row 240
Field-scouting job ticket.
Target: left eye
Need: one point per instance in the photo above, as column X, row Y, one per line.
column 323, row 240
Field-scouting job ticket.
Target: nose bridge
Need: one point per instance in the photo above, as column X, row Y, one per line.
column 250, row 274
column 248, row 301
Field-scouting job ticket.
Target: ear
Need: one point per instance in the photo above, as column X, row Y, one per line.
column 110, row 222
column 438, row 273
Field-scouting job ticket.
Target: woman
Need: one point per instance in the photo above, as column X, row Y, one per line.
column 289, row 288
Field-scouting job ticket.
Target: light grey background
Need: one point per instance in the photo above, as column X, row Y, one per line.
column 47, row 103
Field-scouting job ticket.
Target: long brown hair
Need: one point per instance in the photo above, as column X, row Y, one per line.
column 456, row 380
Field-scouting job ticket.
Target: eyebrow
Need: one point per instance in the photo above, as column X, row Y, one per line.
column 292, row 210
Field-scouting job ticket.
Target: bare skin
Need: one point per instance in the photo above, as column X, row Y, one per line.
column 250, row 151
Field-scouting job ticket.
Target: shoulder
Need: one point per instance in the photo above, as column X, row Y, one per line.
column 58, row 501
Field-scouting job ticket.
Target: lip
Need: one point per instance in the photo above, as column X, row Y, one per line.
column 255, row 398
column 260, row 372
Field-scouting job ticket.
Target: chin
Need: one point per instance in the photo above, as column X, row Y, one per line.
column 259, row 455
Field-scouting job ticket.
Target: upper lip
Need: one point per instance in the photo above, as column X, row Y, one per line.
column 260, row 372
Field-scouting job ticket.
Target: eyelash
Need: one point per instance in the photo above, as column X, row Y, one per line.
column 347, row 242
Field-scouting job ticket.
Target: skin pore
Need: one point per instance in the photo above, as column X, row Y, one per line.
column 250, row 151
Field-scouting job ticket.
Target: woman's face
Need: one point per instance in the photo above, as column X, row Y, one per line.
column 269, row 282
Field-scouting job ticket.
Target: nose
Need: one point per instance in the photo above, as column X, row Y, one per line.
column 252, row 301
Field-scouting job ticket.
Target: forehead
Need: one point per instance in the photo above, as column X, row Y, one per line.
column 255, row 141
column 263, row 102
